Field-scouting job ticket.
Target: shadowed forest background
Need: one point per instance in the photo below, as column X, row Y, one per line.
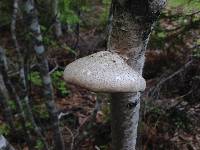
column 170, row 105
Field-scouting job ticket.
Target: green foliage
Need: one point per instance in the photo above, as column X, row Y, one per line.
column 179, row 124
column 155, row 111
column 154, row 114
column 35, row 78
column 180, row 120
column 49, row 41
column 39, row 144
column 67, row 14
column 59, row 83
column 18, row 126
column 4, row 129
column 68, row 10
column 104, row 147
column 12, row 104
column 29, row 125
column 106, row 113
column 104, row 15
column 158, row 37
column 41, row 111
column 196, row 51
column 187, row 5
column 161, row 35
column 5, row 9
column 67, row 48
column 175, row 18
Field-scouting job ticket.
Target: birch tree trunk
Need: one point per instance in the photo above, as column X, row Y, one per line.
column 57, row 24
column 4, row 144
column 23, row 75
column 132, row 23
column 4, row 94
column 44, row 71
column 4, row 100
column 12, row 90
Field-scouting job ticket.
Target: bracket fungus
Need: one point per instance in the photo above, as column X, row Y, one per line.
column 104, row 72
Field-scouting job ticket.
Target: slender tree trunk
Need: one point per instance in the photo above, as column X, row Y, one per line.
column 4, row 94
column 57, row 24
column 23, row 75
column 10, row 86
column 44, row 71
column 4, row 100
column 77, row 28
column 131, row 27
column 4, row 144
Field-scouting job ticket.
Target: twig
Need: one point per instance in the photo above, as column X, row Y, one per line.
column 12, row 73
column 160, row 83
column 97, row 148
column 80, row 135
column 55, row 68
column 72, row 137
column 179, row 102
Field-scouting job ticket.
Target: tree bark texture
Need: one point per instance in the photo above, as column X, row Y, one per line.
column 132, row 23
column 44, row 72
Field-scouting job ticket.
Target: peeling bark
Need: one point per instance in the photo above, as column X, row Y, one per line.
column 132, row 23
column 44, row 72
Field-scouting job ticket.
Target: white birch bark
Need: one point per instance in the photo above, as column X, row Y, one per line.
column 4, row 144
column 131, row 27
column 24, row 93
column 57, row 23
column 44, row 71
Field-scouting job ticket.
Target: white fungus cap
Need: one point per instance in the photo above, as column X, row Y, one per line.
column 104, row 72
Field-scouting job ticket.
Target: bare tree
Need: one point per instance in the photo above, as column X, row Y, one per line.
column 132, row 22
column 44, row 71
